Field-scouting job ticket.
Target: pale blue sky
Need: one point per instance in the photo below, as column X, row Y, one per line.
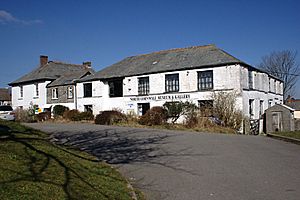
column 105, row 32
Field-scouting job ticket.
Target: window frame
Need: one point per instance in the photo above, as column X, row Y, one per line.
column 37, row 89
column 143, row 86
column 87, row 93
column 205, row 80
column 70, row 92
column 250, row 80
column 172, row 83
column 54, row 93
column 251, row 107
column 21, row 91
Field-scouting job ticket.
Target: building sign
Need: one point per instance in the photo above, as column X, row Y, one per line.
column 162, row 97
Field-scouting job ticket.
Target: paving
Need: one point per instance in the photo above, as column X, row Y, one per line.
column 178, row 165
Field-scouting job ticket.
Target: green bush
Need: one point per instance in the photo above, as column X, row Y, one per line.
column 109, row 117
column 75, row 115
column 86, row 116
column 59, row 110
column 177, row 109
column 72, row 115
column 155, row 116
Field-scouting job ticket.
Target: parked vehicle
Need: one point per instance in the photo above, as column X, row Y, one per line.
column 6, row 113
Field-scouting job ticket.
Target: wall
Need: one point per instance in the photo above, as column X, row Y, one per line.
column 62, row 95
column 29, row 97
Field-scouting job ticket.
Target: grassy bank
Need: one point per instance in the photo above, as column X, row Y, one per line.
column 294, row 134
column 33, row 168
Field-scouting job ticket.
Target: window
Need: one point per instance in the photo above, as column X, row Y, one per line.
column 70, row 92
column 21, row 91
column 251, row 104
column 270, row 103
column 269, row 84
column 36, row 89
column 250, row 79
column 116, row 88
column 206, row 107
column 205, row 80
column 87, row 90
column 275, row 89
column 261, row 107
column 143, row 86
column 172, row 82
column 88, row 108
column 54, row 93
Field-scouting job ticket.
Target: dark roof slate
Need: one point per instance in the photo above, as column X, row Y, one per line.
column 167, row 60
column 51, row 71
column 70, row 78
column 295, row 104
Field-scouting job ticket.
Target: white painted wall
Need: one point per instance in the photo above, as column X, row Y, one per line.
column 29, row 95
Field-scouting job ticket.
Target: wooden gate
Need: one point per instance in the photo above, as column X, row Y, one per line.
column 254, row 127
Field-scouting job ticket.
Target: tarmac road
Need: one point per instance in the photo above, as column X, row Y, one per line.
column 177, row 165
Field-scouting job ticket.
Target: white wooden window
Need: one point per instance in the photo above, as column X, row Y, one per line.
column 143, row 86
column 172, row 82
column 54, row 93
column 70, row 92
column 205, row 80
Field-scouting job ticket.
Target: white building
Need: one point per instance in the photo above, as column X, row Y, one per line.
column 47, row 85
column 138, row 83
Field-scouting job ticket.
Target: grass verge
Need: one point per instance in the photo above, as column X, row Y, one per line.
column 33, row 168
column 291, row 134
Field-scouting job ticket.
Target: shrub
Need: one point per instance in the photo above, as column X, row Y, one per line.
column 177, row 109
column 25, row 115
column 59, row 110
column 225, row 109
column 44, row 116
column 109, row 117
column 72, row 115
column 86, row 116
column 155, row 116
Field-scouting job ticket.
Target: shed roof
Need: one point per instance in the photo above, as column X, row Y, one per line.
column 51, row 71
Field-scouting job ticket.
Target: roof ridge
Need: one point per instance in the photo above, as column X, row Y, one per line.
column 64, row 63
column 175, row 49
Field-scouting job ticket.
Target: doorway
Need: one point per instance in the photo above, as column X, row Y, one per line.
column 143, row 108
column 276, row 121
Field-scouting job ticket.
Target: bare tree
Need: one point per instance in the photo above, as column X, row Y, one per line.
column 282, row 64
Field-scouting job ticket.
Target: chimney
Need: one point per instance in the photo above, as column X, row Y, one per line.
column 87, row 64
column 43, row 60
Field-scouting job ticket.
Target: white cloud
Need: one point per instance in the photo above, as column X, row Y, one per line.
column 6, row 17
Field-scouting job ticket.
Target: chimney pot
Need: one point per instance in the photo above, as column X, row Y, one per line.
column 43, row 60
column 88, row 64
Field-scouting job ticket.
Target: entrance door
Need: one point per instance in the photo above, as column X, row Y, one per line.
column 143, row 108
column 276, row 121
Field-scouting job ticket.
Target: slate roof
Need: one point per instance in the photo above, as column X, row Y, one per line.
column 4, row 95
column 51, row 71
column 167, row 60
column 70, row 78
column 295, row 104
